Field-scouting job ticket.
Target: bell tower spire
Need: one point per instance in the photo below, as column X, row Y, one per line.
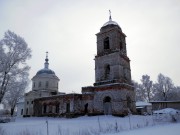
column 46, row 64
column 110, row 19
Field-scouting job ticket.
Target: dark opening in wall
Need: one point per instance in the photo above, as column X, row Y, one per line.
column 47, row 84
column 86, row 108
column 129, row 102
column 57, row 108
column 107, row 71
column 21, row 111
column 26, row 111
column 106, row 43
column 39, row 84
column 68, row 108
column 44, row 108
column 107, row 106
column 121, row 46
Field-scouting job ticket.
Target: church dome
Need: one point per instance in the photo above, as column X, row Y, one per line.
column 46, row 69
column 110, row 23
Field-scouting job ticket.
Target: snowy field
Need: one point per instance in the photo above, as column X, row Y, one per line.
column 96, row 125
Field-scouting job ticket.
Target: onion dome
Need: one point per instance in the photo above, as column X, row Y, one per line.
column 46, row 69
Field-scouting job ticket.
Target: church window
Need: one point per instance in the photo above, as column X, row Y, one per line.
column 21, row 111
column 86, row 108
column 31, row 102
column 107, row 71
column 106, row 43
column 34, row 84
column 67, row 107
column 39, row 84
column 129, row 102
column 27, row 102
column 50, row 108
column 47, row 84
column 107, row 99
column 121, row 46
column 44, row 108
column 26, row 111
column 57, row 108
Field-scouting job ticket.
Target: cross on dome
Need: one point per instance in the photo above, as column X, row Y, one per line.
column 46, row 69
column 110, row 19
column 110, row 22
column 47, row 55
column 46, row 64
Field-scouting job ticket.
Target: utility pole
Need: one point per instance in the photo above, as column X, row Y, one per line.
column 129, row 114
column 47, row 127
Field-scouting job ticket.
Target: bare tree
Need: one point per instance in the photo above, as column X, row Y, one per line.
column 14, row 52
column 147, row 87
column 163, row 87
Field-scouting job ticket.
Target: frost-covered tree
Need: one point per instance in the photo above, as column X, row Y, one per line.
column 174, row 94
column 163, row 88
column 144, row 91
column 138, row 90
column 15, row 92
column 14, row 52
column 147, row 88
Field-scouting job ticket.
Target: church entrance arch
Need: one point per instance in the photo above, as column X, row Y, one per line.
column 107, row 105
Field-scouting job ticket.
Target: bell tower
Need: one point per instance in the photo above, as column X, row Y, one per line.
column 113, row 92
column 112, row 64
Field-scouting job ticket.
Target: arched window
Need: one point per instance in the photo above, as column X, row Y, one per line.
column 26, row 111
column 50, row 108
column 121, row 46
column 107, row 71
column 21, row 111
column 47, row 84
column 106, row 43
column 57, row 108
column 68, row 108
column 129, row 102
column 39, row 84
column 107, row 99
column 44, row 108
column 34, row 85
column 86, row 108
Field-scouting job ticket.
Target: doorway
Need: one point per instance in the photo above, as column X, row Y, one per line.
column 107, row 106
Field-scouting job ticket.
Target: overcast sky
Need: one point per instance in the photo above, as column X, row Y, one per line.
column 67, row 28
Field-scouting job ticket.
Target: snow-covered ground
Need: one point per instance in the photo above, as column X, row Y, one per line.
column 168, row 129
column 96, row 125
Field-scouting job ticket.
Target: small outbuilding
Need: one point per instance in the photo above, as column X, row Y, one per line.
column 143, row 108
column 157, row 105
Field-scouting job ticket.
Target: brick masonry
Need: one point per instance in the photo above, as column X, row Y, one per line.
column 112, row 93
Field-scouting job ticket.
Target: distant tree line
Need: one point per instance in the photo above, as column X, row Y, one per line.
column 161, row 90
